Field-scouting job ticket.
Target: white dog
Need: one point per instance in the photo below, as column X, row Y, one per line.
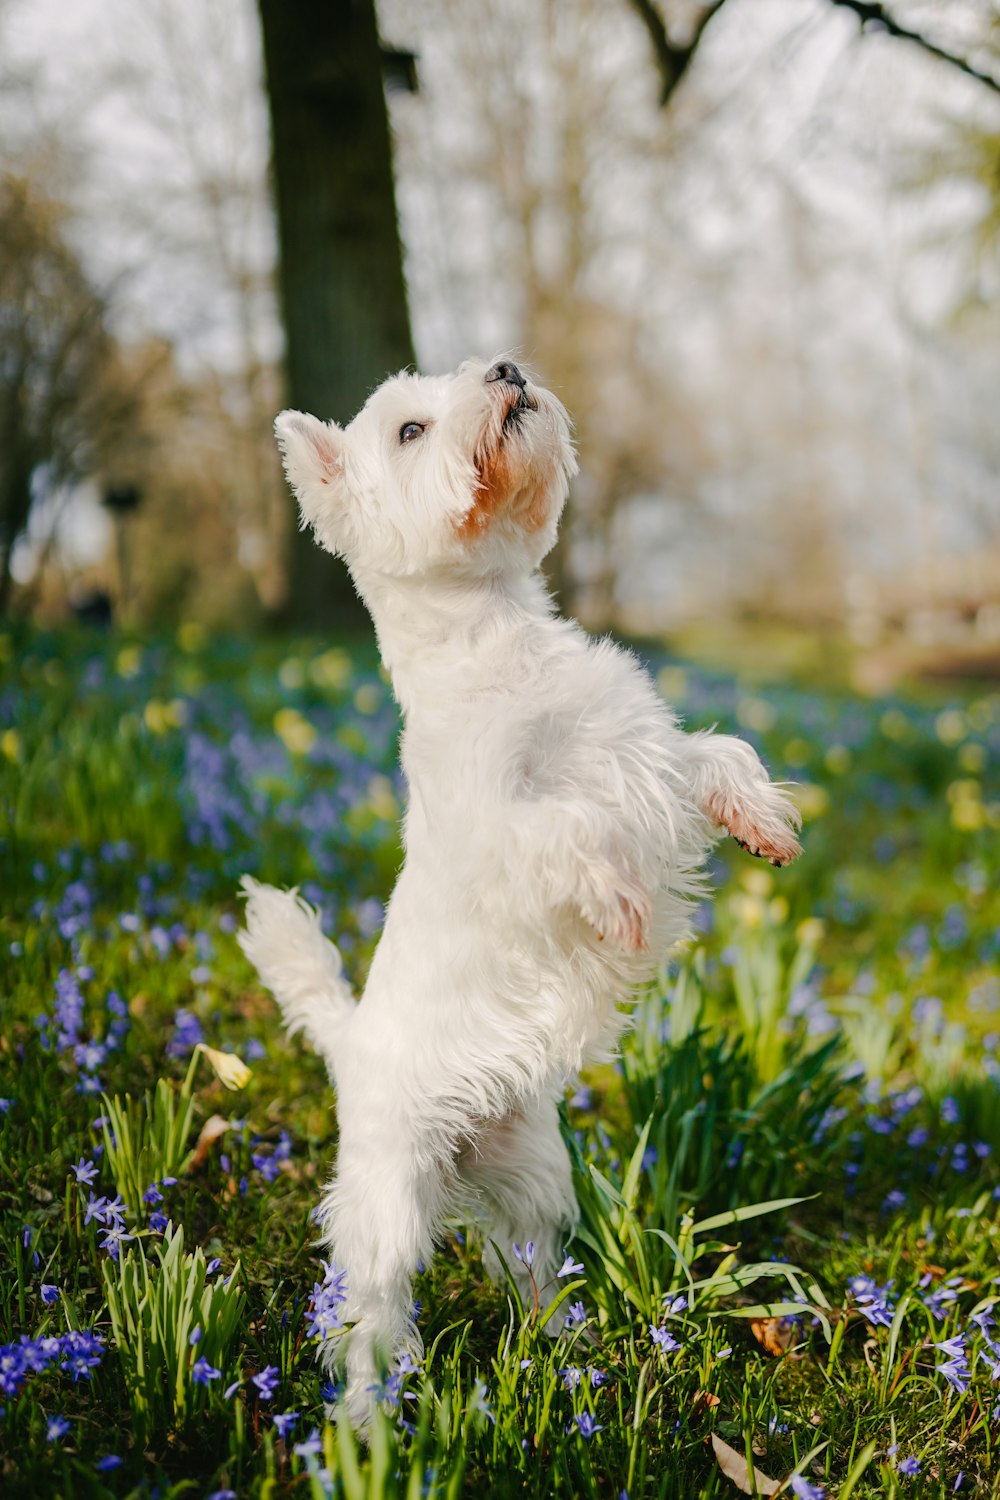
column 557, row 826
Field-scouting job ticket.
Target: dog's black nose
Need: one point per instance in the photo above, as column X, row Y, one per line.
column 504, row 370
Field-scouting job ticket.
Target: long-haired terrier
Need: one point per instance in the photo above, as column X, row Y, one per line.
column 557, row 826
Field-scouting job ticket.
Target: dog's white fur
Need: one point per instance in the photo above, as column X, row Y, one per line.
column 557, row 827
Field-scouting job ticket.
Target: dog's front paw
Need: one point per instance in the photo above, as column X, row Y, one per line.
column 765, row 828
column 617, row 907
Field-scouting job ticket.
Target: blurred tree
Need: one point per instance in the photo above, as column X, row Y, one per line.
column 341, row 277
column 54, row 353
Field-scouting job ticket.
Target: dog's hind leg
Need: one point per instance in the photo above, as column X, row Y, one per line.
column 380, row 1218
column 519, row 1168
column 284, row 942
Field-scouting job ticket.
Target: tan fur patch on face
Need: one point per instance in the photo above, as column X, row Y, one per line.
column 504, row 486
column 498, row 477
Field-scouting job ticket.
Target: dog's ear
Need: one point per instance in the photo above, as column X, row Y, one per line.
column 313, row 455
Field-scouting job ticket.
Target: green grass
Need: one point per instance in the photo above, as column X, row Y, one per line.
column 805, row 1115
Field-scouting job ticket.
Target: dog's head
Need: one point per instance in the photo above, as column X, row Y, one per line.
column 468, row 470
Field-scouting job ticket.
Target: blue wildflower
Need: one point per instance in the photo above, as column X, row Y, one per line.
column 586, row 1425
column 664, row 1339
column 267, row 1381
column 956, row 1367
column 202, row 1372
column 806, row 1491
column 55, row 1428
column 284, row 1422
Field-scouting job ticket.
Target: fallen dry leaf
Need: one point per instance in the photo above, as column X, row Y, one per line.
column 773, row 1334
column 736, row 1468
column 703, row 1402
column 210, row 1132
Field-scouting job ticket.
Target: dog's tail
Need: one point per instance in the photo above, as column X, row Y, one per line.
column 302, row 969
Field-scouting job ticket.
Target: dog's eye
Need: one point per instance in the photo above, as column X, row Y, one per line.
column 409, row 431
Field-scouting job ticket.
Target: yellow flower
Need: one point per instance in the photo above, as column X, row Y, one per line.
column 672, row 683
column 838, row 759
column 797, row 752
column 291, row 674
column 812, row 801
column 157, row 716
column 972, row 757
column 967, row 811
column 382, row 798
column 229, row 1069
column 331, row 670
column 894, row 724
column 129, row 661
column 951, row 726
column 367, row 698
column 191, row 636
column 296, row 731
column 748, row 909
column 757, row 880
column 810, row 932
column 754, row 713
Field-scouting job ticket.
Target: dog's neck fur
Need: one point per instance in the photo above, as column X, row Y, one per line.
column 440, row 634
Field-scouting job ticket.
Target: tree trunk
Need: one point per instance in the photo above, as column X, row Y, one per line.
column 342, row 287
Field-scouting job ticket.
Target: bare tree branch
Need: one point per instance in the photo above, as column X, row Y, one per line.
column 873, row 13
column 672, row 60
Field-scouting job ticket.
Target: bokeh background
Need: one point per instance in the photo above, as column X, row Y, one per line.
column 753, row 245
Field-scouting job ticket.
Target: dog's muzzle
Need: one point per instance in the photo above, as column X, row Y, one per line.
column 505, row 373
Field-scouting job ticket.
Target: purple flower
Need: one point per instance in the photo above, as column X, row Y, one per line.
column 158, row 1222
column 805, row 1490
column 527, row 1255
column 571, row 1377
column 585, row 1424
column 187, row 1034
column 311, row 1447
column 108, row 1462
column 84, row 1171
column 956, row 1367
column 576, row 1314
column 873, row 1300
column 5, row 1106
column 663, row 1339
column 323, row 1317
column 50, row 1294
column 194, row 1337
column 55, row 1428
column 284, row 1422
column 114, row 1237
column 267, row 1381
column 202, row 1372
column 674, row 1305
column 909, row 1466
column 569, row 1267
column 83, row 1351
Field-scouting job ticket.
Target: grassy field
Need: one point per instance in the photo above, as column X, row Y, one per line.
column 789, row 1181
